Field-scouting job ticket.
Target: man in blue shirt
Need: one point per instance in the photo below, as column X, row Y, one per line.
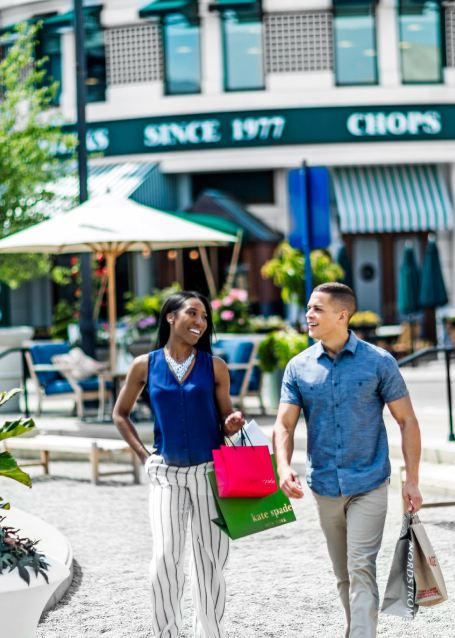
column 342, row 384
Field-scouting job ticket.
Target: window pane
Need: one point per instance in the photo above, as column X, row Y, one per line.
column 243, row 51
column 182, row 56
column 49, row 46
column 420, row 42
column 95, row 57
column 355, row 49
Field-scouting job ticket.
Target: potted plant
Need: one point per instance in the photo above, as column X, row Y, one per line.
column 365, row 323
column 28, row 578
column 143, row 317
column 287, row 271
column 274, row 353
column 231, row 312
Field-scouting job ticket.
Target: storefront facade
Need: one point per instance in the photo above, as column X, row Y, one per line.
column 211, row 91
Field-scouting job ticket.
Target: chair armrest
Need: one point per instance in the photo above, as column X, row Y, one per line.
column 44, row 367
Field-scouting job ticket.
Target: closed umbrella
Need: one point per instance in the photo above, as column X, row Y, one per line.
column 112, row 225
column 408, row 289
column 433, row 291
column 345, row 263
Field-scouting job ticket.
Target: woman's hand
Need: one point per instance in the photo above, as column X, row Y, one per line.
column 233, row 423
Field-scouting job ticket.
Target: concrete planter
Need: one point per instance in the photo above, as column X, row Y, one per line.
column 11, row 364
column 271, row 388
column 21, row 605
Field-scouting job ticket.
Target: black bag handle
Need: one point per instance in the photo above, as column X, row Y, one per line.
column 243, row 434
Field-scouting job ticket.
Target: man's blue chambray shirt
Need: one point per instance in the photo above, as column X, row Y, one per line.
column 343, row 401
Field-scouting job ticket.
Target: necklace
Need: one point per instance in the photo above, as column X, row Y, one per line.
column 179, row 369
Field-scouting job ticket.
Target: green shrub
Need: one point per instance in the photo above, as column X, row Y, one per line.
column 279, row 347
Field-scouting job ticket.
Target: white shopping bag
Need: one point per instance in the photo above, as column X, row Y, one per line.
column 255, row 436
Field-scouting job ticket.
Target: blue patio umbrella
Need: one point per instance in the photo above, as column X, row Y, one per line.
column 433, row 291
column 409, row 283
column 345, row 263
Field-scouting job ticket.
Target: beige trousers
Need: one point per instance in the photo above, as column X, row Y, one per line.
column 353, row 528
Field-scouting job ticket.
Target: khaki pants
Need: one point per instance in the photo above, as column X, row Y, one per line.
column 353, row 527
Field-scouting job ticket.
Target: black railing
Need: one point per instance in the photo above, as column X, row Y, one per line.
column 24, row 372
column 426, row 352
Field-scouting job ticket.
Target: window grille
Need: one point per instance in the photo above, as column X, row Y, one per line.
column 134, row 54
column 450, row 35
column 298, row 42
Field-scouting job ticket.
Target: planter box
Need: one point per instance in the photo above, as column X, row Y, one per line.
column 21, row 605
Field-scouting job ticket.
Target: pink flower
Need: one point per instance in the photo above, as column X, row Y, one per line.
column 243, row 296
column 216, row 304
column 239, row 294
column 227, row 315
column 228, row 301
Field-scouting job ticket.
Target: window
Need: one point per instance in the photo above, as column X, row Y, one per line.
column 49, row 46
column 182, row 54
column 95, row 55
column 249, row 187
column 420, row 41
column 355, row 45
column 243, row 50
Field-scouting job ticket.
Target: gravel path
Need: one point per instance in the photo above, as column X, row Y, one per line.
column 280, row 582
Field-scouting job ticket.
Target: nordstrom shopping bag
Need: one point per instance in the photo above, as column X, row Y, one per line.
column 244, row 471
column 415, row 578
column 239, row 517
column 399, row 597
column 430, row 586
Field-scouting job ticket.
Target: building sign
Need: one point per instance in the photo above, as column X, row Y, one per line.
column 277, row 127
column 395, row 123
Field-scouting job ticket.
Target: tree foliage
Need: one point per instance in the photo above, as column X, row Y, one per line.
column 30, row 138
column 287, row 270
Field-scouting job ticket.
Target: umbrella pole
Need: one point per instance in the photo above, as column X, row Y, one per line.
column 234, row 260
column 208, row 272
column 110, row 264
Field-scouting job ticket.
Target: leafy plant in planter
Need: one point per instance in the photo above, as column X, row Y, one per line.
column 20, row 553
column 279, row 347
column 287, row 270
column 16, row 552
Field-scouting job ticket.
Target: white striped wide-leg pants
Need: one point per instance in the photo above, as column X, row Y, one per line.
column 177, row 493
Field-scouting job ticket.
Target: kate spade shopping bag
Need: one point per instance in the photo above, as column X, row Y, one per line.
column 430, row 585
column 239, row 517
column 244, row 471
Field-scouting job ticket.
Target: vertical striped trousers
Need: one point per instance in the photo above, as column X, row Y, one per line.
column 176, row 494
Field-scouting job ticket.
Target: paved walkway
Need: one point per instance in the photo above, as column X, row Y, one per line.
column 280, row 582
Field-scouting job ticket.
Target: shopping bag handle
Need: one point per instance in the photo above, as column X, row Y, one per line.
column 243, row 434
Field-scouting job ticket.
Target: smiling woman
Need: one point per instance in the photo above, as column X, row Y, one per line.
column 189, row 395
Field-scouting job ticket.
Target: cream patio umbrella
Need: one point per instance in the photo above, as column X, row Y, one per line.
column 112, row 225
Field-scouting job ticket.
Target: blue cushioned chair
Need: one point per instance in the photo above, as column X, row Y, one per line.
column 57, row 382
column 245, row 374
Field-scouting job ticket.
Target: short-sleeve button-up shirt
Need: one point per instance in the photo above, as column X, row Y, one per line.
column 343, row 402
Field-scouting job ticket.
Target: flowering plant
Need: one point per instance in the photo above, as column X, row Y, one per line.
column 367, row 318
column 230, row 311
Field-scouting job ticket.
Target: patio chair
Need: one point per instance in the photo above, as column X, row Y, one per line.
column 56, row 382
column 245, row 374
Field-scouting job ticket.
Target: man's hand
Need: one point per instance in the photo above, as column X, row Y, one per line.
column 290, row 483
column 412, row 497
column 233, row 423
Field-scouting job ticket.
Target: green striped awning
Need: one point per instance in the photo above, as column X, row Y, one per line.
column 387, row 199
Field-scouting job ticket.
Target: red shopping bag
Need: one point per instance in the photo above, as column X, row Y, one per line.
column 244, row 471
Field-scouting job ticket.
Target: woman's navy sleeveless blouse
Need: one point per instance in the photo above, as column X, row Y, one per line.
column 187, row 426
